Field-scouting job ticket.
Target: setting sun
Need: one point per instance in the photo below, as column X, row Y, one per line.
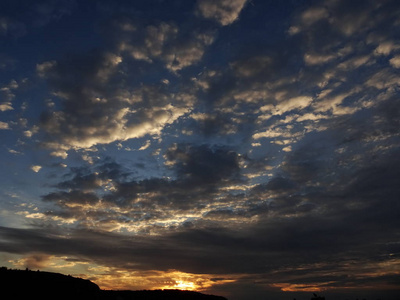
column 185, row 285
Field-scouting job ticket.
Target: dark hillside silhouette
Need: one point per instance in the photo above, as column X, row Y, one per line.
column 157, row 295
column 27, row 284
column 19, row 285
column 316, row 297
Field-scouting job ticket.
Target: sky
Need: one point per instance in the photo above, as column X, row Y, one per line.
column 249, row 149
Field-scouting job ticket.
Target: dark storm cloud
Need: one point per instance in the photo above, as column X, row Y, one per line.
column 346, row 221
column 199, row 172
column 71, row 197
column 91, row 178
column 216, row 123
column 196, row 251
column 351, row 225
column 203, row 165
column 265, row 246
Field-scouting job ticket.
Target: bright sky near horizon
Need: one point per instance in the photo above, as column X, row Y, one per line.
column 245, row 148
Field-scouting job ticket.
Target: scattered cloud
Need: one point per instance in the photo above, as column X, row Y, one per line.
column 225, row 12
column 164, row 42
column 11, row 27
column 7, row 93
column 36, row 168
column 145, row 146
column 395, row 61
column 120, row 113
column 4, row 126
column 178, row 146
column 6, row 106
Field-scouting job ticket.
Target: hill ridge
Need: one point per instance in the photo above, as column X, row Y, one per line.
column 25, row 284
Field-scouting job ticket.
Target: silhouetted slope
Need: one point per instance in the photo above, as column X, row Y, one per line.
column 18, row 284
column 45, row 285
column 158, row 295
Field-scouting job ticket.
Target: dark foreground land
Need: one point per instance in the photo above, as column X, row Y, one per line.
column 17, row 284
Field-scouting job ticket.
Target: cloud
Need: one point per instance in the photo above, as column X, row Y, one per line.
column 6, row 106
column 71, row 198
column 207, row 249
column 164, row 42
column 6, row 61
column 97, row 110
column 201, row 165
column 317, row 59
column 11, row 27
column 286, row 105
column 8, row 95
column 116, row 199
column 225, row 12
column 386, row 48
column 4, row 126
column 34, row 261
column 36, row 168
column 216, row 123
column 87, row 179
column 145, row 146
column 395, row 61
column 345, row 18
column 271, row 225
column 305, row 185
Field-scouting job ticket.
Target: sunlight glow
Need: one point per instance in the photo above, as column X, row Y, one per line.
column 119, row 279
column 184, row 285
column 289, row 287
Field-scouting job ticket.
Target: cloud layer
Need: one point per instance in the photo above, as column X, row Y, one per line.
column 216, row 147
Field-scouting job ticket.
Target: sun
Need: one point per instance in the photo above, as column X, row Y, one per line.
column 184, row 285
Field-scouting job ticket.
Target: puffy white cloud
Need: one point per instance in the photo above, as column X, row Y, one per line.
column 164, row 42
column 308, row 18
column 6, row 106
column 385, row 48
column 7, row 95
column 30, row 132
column 152, row 43
column 36, row 168
column 317, row 59
column 4, row 125
column 347, row 20
column 314, row 14
column 355, row 62
column 329, row 103
column 287, row 105
column 223, row 11
column 44, row 67
column 395, row 61
column 299, row 102
column 145, row 146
